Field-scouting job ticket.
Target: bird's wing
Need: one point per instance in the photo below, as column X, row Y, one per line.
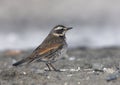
column 51, row 48
column 44, row 51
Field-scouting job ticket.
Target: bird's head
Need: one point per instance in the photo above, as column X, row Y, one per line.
column 60, row 30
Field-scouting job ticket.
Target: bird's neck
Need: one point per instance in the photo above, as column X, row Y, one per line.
column 63, row 37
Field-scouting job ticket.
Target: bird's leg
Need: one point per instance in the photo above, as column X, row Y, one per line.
column 54, row 67
column 48, row 67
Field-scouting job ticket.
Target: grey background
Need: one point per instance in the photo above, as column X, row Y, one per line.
column 25, row 23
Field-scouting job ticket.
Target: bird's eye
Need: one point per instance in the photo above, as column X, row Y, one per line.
column 60, row 31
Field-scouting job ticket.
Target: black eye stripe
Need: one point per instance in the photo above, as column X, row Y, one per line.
column 60, row 31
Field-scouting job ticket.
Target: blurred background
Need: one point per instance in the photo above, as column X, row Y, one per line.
column 25, row 23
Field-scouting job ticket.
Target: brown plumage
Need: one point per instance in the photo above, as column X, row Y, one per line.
column 51, row 49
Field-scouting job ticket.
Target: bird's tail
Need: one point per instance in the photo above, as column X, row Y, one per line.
column 21, row 62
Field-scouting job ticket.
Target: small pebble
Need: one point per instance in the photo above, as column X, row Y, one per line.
column 48, row 77
column 70, row 75
column 24, row 73
column 71, row 58
column 78, row 82
column 66, row 83
column 109, row 70
column 63, row 70
column 78, row 69
column 97, row 67
column 113, row 76
column 72, row 70
column 14, row 61
column 39, row 71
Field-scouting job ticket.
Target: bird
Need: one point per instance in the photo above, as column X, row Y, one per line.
column 51, row 49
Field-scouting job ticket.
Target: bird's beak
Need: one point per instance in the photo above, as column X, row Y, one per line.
column 69, row 28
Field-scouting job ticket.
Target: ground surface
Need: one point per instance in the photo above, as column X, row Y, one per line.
column 82, row 67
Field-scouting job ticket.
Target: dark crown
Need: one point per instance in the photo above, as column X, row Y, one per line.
column 59, row 26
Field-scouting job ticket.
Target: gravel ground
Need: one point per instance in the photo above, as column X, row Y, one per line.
column 81, row 67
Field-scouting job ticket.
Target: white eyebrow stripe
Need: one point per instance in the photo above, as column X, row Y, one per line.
column 58, row 28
